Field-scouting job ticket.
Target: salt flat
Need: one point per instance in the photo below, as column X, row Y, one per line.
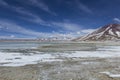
column 51, row 62
column 20, row 59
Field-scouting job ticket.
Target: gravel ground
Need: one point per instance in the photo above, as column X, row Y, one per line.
column 70, row 69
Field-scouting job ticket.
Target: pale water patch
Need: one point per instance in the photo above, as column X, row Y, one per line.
column 22, row 45
column 109, row 48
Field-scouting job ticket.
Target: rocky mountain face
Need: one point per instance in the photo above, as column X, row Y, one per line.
column 108, row 32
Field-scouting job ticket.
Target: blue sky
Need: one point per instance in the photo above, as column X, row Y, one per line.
column 48, row 18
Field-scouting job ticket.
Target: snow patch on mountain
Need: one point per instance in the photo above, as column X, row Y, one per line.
column 108, row 32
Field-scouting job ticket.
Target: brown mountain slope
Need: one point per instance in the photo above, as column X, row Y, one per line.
column 108, row 32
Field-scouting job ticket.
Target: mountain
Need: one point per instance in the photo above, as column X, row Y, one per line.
column 107, row 32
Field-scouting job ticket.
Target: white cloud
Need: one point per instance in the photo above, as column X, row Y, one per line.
column 67, row 26
column 83, row 7
column 12, row 36
column 78, row 32
column 87, row 30
column 117, row 20
column 6, row 37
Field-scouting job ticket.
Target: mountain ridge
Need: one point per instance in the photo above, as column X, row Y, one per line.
column 107, row 32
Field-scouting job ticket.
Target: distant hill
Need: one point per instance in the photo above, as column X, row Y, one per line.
column 107, row 32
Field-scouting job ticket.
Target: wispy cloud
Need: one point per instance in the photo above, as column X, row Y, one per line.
column 41, row 5
column 14, row 8
column 83, row 7
column 29, row 15
column 61, row 25
column 38, row 20
column 22, row 10
column 2, row 2
column 12, row 27
column 117, row 20
column 9, row 26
